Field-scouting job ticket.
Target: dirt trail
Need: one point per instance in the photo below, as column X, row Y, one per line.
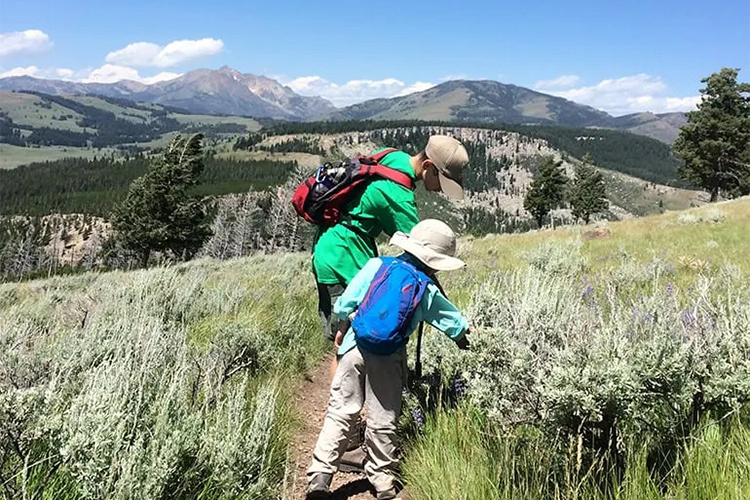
column 311, row 398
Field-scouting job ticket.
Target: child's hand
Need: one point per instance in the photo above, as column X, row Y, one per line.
column 339, row 338
column 464, row 344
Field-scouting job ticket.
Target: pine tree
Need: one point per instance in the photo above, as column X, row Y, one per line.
column 587, row 195
column 715, row 143
column 159, row 214
column 547, row 190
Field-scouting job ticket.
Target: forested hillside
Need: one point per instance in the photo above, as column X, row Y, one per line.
column 37, row 119
column 94, row 186
column 247, row 183
column 623, row 152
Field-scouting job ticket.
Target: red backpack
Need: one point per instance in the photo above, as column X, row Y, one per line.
column 323, row 197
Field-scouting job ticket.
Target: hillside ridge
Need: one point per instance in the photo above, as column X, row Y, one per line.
column 223, row 91
column 226, row 91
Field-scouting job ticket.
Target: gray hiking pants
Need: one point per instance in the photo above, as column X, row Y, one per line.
column 375, row 382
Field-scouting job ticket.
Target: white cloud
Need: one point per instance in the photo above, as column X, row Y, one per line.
column 27, row 71
column 111, row 73
column 682, row 103
column 416, row 87
column 135, row 54
column 561, row 82
column 161, row 77
column 628, row 94
column 51, row 73
column 65, row 73
column 172, row 54
column 460, row 76
column 354, row 91
column 23, row 42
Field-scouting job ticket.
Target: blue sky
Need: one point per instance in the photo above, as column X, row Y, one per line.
column 617, row 56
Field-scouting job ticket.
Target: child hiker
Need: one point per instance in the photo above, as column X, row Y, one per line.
column 384, row 302
column 385, row 206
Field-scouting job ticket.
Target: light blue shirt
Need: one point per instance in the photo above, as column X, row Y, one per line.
column 434, row 308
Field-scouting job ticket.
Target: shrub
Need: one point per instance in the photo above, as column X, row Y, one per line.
column 580, row 358
column 152, row 384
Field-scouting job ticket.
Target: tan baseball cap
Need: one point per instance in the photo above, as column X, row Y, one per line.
column 450, row 158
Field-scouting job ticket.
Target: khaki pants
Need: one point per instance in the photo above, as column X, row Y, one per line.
column 375, row 382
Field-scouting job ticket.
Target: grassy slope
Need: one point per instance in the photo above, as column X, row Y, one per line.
column 418, row 108
column 15, row 156
column 273, row 295
column 641, row 197
column 23, row 109
column 461, row 456
column 663, row 236
column 122, row 112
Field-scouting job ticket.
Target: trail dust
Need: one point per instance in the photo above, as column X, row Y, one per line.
column 311, row 399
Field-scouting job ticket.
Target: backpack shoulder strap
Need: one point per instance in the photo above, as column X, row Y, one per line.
column 378, row 157
column 392, row 174
column 371, row 166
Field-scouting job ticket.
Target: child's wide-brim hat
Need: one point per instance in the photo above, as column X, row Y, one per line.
column 432, row 242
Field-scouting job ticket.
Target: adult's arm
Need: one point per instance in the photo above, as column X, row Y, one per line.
column 393, row 205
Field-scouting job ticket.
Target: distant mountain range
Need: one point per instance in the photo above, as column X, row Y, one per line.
column 494, row 102
column 664, row 127
column 477, row 100
column 218, row 92
column 228, row 92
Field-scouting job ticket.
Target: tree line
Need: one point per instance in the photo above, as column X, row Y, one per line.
column 94, row 186
column 551, row 189
column 106, row 129
column 162, row 215
column 624, row 152
column 715, row 142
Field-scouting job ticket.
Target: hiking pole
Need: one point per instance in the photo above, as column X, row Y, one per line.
column 420, row 331
column 418, row 362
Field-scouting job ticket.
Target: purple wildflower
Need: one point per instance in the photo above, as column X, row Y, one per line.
column 417, row 416
column 459, row 386
column 670, row 289
column 688, row 318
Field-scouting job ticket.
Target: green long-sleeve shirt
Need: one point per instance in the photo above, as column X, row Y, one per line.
column 384, row 206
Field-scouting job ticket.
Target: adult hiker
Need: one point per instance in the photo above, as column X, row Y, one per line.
column 384, row 206
column 385, row 301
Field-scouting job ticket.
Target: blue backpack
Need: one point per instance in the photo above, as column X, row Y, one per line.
column 381, row 325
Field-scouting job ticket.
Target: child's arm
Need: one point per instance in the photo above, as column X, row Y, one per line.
column 355, row 291
column 440, row 312
column 343, row 328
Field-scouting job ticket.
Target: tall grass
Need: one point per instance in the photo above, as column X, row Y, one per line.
column 453, row 444
column 462, row 457
column 592, row 376
column 716, row 464
column 165, row 383
column 600, row 369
